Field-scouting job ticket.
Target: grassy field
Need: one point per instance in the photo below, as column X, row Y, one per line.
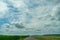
column 47, row 37
column 2, row 37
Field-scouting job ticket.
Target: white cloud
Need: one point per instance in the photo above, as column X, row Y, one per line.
column 3, row 9
column 41, row 18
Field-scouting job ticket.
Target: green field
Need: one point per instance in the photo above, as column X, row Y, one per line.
column 46, row 37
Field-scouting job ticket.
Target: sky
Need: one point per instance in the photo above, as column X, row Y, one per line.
column 29, row 17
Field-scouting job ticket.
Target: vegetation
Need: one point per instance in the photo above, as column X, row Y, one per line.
column 45, row 37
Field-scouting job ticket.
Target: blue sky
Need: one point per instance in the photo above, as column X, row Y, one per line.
column 29, row 17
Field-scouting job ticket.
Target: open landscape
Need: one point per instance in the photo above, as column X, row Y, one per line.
column 38, row 18
column 44, row 37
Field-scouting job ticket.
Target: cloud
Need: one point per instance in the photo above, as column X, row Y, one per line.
column 25, row 18
column 3, row 9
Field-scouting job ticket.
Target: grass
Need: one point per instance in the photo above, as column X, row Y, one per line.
column 4, row 37
column 9, row 37
column 45, row 37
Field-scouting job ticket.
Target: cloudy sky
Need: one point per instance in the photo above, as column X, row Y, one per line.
column 29, row 17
